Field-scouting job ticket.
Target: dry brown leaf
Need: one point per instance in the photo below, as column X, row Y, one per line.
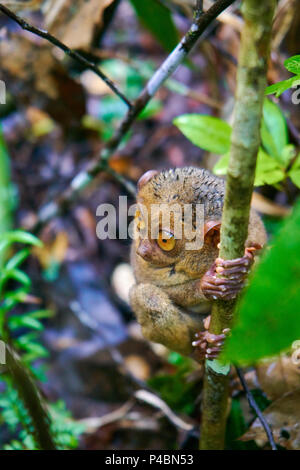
column 137, row 366
column 279, row 376
column 35, row 76
column 23, row 5
column 74, row 23
column 30, row 62
column 268, row 207
column 54, row 251
column 284, row 418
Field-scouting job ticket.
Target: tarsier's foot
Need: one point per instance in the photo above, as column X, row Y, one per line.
column 234, row 273
column 209, row 345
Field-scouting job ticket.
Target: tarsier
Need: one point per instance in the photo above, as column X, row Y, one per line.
column 175, row 286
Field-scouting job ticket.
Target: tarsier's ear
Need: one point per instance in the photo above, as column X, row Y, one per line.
column 145, row 178
column 212, row 231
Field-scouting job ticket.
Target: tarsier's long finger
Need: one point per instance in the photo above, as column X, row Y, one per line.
column 241, row 270
column 246, row 261
column 215, row 282
column 212, row 353
column 225, row 295
column 209, row 337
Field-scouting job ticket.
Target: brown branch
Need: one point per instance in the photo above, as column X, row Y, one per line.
column 255, row 407
column 71, row 53
column 168, row 67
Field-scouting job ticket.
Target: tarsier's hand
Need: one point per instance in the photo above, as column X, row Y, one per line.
column 226, row 278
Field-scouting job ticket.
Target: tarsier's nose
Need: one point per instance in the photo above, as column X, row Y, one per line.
column 145, row 249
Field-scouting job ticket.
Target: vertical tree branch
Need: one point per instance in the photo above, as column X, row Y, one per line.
column 245, row 140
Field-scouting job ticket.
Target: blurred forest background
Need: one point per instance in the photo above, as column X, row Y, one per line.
column 88, row 355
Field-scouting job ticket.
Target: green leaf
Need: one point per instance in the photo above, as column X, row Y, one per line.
column 280, row 87
column 13, row 298
column 157, row 18
column 207, row 132
column 295, row 177
column 17, row 275
column 34, row 348
column 294, row 172
column 20, row 236
column 152, row 108
column 41, row 314
column 274, row 131
column 221, row 166
column 19, row 321
column 17, row 259
column 269, row 318
column 292, row 64
column 288, row 153
column 268, row 171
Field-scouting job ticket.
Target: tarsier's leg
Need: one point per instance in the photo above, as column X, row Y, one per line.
column 224, row 280
column 208, row 345
column 162, row 321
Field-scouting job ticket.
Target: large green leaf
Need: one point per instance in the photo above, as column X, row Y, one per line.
column 207, row 132
column 274, row 132
column 158, row 19
column 269, row 312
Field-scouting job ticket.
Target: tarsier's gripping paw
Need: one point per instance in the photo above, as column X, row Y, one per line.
column 234, row 273
column 208, row 345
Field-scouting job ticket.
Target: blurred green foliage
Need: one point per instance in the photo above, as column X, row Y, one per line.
column 268, row 314
column 21, row 329
column 111, row 109
column 158, row 20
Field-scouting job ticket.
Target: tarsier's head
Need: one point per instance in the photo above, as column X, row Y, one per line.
column 166, row 241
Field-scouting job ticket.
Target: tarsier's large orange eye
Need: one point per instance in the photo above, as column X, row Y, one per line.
column 166, row 240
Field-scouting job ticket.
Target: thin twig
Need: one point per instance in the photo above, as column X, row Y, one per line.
column 71, row 53
column 199, row 7
column 255, row 407
column 168, row 67
column 171, row 84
